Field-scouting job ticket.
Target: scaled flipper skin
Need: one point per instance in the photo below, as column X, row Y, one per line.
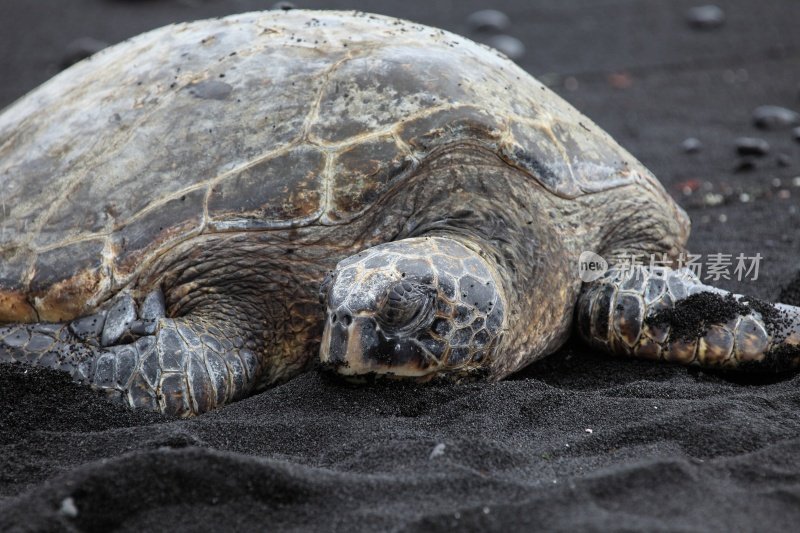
column 670, row 315
column 183, row 366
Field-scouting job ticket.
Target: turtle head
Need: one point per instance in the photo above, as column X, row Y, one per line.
column 416, row 308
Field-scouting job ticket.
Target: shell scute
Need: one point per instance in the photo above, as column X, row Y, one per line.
column 530, row 149
column 289, row 186
column 59, row 294
column 363, row 173
column 452, row 124
column 157, row 227
column 596, row 160
column 376, row 89
column 569, row 159
column 48, row 268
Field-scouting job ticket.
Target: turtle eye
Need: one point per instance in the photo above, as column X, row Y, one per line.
column 406, row 307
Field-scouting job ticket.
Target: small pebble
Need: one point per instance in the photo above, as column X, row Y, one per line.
column 770, row 117
column 796, row 181
column 776, row 182
column 705, row 17
column 784, row 194
column 752, row 146
column 689, row 186
column 488, row 20
column 68, row 507
column 744, row 164
column 784, row 160
column 620, row 80
column 571, row 83
column 80, row 49
column 283, row 6
column 744, row 197
column 589, row 431
column 691, row 145
column 510, row 46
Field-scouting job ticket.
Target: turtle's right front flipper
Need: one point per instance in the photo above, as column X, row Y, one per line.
column 183, row 366
column 672, row 315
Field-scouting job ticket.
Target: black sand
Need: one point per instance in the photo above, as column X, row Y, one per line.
column 578, row 441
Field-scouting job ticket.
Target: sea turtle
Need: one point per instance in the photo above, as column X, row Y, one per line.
column 171, row 207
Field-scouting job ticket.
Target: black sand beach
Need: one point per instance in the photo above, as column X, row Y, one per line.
column 579, row 441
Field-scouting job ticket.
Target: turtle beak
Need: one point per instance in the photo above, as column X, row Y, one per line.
column 355, row 346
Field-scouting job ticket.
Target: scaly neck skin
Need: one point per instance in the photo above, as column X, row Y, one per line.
column 494, row 208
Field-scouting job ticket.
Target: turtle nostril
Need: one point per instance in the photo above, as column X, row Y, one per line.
column 342, row 317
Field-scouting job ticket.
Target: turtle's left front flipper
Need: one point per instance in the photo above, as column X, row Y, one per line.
column 671, row 315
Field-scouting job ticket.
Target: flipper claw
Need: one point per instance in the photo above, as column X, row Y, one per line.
column 153, row 306
column 118, row 319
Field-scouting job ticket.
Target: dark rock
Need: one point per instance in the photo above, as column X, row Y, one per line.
column 784, row 160
column 752, row 146
column 691, row 145
column 80, row 49
column 510, row 46
column 488, row 20
column 705, row 17
column 283, row 6
column 769, row 117
column 745, row 164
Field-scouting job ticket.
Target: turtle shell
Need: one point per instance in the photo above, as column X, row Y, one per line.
column 256, row 121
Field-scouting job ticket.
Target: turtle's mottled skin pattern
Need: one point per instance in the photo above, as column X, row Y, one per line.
column 223, row 167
